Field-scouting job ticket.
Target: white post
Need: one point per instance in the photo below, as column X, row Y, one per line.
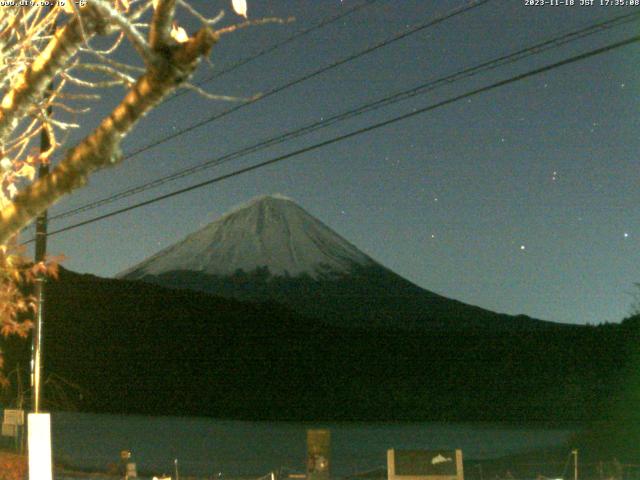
column 39, row 428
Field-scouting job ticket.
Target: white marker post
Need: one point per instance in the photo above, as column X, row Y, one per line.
column 39, row 425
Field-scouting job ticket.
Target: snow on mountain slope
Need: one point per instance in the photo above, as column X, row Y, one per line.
column 270, row 231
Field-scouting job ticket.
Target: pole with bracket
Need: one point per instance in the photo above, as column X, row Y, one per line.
column 40, row 253
column 39, row 424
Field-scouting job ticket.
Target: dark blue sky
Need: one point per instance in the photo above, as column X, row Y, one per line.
column 520, row 200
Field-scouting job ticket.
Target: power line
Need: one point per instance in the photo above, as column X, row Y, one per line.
column 360, row 131
column 452, row 13
column 234, row 66
column 368, row 107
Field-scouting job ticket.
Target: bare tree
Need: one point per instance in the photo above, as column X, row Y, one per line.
column 49, row 62
column 169, row 56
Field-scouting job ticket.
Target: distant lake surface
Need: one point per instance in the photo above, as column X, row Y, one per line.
column 205, row 446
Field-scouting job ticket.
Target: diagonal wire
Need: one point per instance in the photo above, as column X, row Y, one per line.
column 397, row 97
column 430, row 23
column 360, row 131
column 276, row 46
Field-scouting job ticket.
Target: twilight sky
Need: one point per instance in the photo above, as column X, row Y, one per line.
column 523, row 199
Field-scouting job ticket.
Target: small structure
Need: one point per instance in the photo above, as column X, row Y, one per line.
column 424, row 465
column 12, row 422
column 127, row 466
column 318, row 454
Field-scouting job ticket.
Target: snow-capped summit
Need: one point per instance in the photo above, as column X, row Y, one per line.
column 270, row 249
column 270, row 231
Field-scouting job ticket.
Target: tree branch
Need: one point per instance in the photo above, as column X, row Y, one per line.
column 135, row 37
column 102, row 147
column 32, row 84
column 160, row 31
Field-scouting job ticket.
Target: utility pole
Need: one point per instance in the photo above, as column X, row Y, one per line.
column 40, row 253
column 39, row 424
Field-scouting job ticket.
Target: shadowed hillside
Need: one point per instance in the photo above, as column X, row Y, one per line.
column 139, row 348
column 271, row 249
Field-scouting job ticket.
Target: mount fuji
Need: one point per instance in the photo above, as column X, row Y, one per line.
column 271, row 249
column 269, row 232
column 268, row 314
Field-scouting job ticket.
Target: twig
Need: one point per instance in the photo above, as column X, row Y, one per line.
column 252, row 23
column 213, row 96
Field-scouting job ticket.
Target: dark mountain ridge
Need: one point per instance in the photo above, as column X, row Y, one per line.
column 368, row 296
column 134, row 347
column 272, row 249
column 269, row 314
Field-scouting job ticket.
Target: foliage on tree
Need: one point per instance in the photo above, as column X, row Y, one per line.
column 17, row 305
column 13, row 466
